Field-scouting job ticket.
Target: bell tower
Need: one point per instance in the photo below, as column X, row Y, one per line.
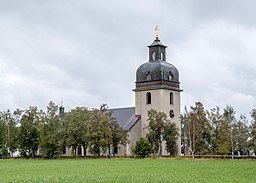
column 157, row 87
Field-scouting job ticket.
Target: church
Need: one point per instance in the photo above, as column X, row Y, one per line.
column 157, row 87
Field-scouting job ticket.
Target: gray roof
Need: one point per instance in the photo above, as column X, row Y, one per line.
column 157, row 42
column 125, row 116
column 159, row 70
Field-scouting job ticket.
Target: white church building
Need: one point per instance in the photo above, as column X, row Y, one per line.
column 157, row 87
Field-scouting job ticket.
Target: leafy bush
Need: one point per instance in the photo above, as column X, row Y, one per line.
column 142, row 148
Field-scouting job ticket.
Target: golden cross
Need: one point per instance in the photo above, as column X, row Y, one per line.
column 157, row 30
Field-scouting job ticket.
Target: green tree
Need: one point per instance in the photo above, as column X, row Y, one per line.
column 156, row 121
column 94, row 132
column 220, row 143
column 196, row 129
column 142, row 148
column 186, row 133
column 103, row 132
column 253, row 130
column 76, row 128
column 3, row 148
column 118, row 136
column 9, row 131
column 29, row 132
column 230, row 119
column 99, row 130
column 241, row 135
column 50, row 144
column 85, row 138
column 161, row 130
column 222, row 139
column 170, row 135
column 106, row 132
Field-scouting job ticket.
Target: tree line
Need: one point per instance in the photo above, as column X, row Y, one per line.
column 203, row 132
column 217, row 132
column 32, row 130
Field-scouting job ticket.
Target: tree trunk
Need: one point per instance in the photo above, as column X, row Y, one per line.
column 160, row 148
column 232, row 146
column 194, row 139
column 109, row 150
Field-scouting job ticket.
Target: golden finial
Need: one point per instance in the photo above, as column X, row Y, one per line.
column 157, row 30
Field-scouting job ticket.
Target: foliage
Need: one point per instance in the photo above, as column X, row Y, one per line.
column 156, row 121
column 230, row 119
column 99, row 131
column 118, row 136
column 9, row 132
column 241, row 135
column 220, row 142
column 75, row 128
column 50, row 134
column 252, row 130
column 202, row 132
column 104, row 132
column 161, row 129
column 215, row 132
column 170, row 135
column 142, row 148
column 197, row 129
column 29, row 132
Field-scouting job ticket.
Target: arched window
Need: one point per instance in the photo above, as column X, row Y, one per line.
column 153, row 55
column 171, row 98
column 170, row 76
column 148, row 98
column 148, row 76
column 79, row 151
column 162, row 55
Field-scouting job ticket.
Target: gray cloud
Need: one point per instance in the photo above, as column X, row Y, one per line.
column 86, row 52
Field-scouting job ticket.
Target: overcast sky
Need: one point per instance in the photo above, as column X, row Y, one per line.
column 86, row 53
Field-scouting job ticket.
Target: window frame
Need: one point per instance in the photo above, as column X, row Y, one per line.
column 148, row 98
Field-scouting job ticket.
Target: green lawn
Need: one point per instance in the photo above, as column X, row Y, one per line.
column 127, row 170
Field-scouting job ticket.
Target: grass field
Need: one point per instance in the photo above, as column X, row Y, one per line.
column 127, row 170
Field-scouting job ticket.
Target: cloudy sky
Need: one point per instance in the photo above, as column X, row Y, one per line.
column 86, row 53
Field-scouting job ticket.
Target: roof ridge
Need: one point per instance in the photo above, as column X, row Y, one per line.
column 120, row 108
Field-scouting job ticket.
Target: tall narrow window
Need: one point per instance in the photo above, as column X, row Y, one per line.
column 79, row 151
column 171, row 98
column 115, row 150
column 154, row 55
column 162, row 56
column 148, row 98
column 170, row 76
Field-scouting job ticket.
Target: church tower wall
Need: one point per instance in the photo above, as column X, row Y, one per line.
column 160, row 101
column 158, row 88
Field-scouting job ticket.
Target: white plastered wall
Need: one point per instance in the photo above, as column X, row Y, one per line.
column 160, row 101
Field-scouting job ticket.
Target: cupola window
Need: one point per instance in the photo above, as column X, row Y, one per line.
column 153, row 55
column 162, row 56
column 170, row 76
column 148, row 98
column 171, row 98
column 149, row 78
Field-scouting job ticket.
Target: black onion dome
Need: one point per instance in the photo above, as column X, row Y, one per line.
column 158, row 70
column 157, row 73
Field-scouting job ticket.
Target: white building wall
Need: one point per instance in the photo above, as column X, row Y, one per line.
column 160, row 101
column 133, row 135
